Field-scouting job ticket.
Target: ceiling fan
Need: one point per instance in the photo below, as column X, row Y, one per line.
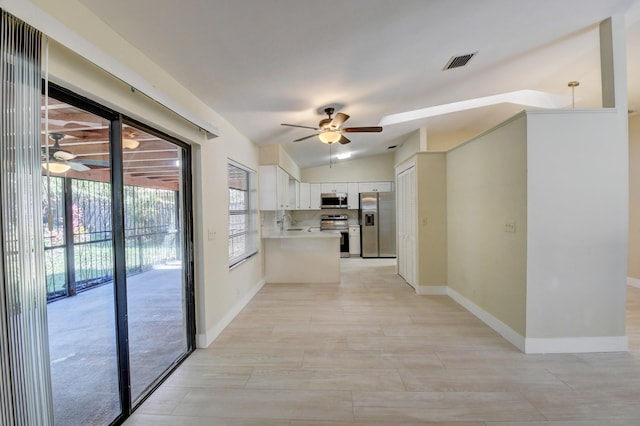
column 60, row 160
column 329, row 130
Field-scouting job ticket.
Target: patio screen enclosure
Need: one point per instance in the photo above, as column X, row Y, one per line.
column 78, row 232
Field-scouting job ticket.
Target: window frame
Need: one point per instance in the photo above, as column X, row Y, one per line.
column 250, row 213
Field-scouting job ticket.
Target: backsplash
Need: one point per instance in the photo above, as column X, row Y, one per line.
column 304, row 218
column 312, row 217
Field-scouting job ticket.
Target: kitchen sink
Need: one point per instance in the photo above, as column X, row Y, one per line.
column 294, row 229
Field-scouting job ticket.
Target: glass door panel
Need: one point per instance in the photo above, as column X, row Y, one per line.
column 79, row 266
column 154, row 227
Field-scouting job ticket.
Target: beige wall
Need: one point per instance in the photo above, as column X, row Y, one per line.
column 369, row 169
column 445, row 141
column 408, row 148
column 431, row 192
column 276, row 155
column 634, row 198
column 220, row 292
column 486, row 187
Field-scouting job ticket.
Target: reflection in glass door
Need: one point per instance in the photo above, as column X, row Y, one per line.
column 153, row 227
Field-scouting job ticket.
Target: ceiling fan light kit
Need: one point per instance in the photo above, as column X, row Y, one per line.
column 330, row 130
column 129, row 143
column 329, row 137
column 56, row 166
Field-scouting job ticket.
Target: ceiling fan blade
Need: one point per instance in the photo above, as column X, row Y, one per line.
column 63, row 155
column 338, row 120
column 302, row 127
column 78, row 167
column 370, row 129
column 101, row 163
column 344, row 140
column 306, row 137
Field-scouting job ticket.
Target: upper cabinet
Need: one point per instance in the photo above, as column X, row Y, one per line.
column 353, row 195
column 315, row 189
column 304, row 196
column 375, row 186
column 280, row 191
column 334, row 187
column 294, row 194
column 274, row 188
column 309, row 196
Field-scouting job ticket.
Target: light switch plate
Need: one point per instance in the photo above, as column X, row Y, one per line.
column 510, row 226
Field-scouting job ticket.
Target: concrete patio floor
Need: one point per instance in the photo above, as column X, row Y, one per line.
column 82, row 344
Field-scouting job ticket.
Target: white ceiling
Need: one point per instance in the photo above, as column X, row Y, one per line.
column 260, row 63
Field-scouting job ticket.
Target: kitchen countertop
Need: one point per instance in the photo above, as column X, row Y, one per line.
column 304, row 233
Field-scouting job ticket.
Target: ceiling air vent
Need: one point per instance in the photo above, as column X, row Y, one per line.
column 459, row 61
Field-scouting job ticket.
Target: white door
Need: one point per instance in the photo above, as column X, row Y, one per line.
column 406, row 199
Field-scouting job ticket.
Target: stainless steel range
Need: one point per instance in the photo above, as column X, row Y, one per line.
column 337, row 222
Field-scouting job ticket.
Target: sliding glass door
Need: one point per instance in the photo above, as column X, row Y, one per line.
column 116, row 218
column 77, row 212
column 154, row 229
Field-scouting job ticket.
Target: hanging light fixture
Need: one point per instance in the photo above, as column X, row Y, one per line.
column 329, row 137
column 573, row 85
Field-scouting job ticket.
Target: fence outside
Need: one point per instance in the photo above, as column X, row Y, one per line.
column 79, row 211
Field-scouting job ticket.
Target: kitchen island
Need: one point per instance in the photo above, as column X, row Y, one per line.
column 302, row 256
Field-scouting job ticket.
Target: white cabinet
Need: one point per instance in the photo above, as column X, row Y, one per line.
column 354, row 240
column 304, row 196
column 334, row 187
column 353, row 195
column 294, row 194
column 375, row 187
column 309, row 196
column 315, row 189
column 274, row 188
column 282, row 189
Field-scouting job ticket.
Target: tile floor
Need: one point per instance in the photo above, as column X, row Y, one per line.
column 369, row 351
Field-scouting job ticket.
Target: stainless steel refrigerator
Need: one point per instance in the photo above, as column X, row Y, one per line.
column 378, row 224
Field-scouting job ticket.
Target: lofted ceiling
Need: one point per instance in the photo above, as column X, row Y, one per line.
column 260, row 63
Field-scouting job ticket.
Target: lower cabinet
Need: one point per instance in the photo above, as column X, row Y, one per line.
column 354, row 240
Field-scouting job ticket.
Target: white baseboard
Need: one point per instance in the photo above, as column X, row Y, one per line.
column 576, row 345
column 633, row 282
column 203, row 340
column 530, row 345
column 498, row 326
column 432, row 290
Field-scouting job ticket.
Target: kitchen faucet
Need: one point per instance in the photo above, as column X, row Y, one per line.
column 283, row 220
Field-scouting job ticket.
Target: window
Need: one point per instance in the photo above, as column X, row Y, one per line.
column 243, row 230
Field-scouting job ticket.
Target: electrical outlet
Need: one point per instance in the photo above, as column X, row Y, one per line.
column 510, row 226
column 212, row 234
column 424, row 221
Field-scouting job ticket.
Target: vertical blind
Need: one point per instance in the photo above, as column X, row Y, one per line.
column 25, row 389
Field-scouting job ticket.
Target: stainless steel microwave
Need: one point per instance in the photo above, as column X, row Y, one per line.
column 333, row 200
